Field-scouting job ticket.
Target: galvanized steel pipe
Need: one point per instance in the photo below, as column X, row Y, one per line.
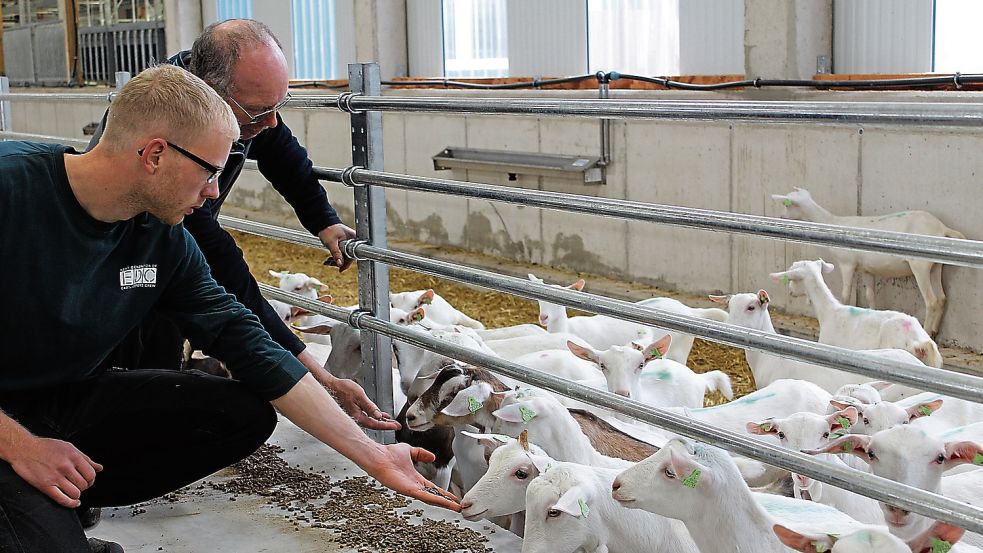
column 882, row 489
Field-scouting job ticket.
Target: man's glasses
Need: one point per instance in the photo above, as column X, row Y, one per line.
column 213, row 170
column 253, row 119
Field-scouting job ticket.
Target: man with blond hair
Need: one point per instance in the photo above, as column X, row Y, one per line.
column 99, row 245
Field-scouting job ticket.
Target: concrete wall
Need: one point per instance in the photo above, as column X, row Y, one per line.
column 713, row 165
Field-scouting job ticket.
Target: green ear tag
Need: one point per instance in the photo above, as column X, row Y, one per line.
column 693, row 480
column 835, row 435
column 978, row 460
column 473, row 404
column 925, row 410
column 940, row 546
column 584, row 510
column 847, row 446
column 844, row 422
column 787, row 202
column 766, row 427
column 785, row 279
column 820, row 546
column 527, row 413
column 418, row 317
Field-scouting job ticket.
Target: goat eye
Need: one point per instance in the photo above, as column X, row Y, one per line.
column 670, row 473
column 871, row 456
column 521, row 474
column 781, row 435
column 553, row 513
column 866, row 420
column 825, row 434
column 940, row 459
column 750, row 308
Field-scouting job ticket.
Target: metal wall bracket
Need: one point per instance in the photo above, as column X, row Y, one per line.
column 583, row 168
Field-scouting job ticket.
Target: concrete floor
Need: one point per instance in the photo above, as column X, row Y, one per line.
column 206, row 520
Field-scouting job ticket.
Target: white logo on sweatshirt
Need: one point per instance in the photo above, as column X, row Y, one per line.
column 138, row 276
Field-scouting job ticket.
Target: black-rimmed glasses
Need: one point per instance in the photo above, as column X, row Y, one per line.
column 253, row 119
column 213, row 170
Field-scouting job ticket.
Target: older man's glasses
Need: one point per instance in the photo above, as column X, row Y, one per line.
column 253, row 119
column 213, row 170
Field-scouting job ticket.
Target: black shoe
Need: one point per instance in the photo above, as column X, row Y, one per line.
column 102, row 546
column 88, row 516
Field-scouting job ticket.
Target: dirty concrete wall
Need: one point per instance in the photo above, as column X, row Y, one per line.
column 713, row 165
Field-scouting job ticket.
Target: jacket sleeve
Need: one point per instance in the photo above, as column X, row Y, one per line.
column 284, row 162
column 223, row 328
column 230, row 270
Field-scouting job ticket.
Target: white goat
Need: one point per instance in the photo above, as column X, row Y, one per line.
column 701, row 486
column 669, row 384
column 751, row 311
column 810, row 431
column 437, row 309
column 855, row 327
column 298, row 283
column 501, row 491
column 602, row 332
column 569, row 509
column 513, row 348
column 928, row 275
column 932, row 412
column 937, row 539
column 908, row 455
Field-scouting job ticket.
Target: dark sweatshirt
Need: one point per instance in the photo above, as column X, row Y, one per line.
column 76, row 286
column 283, row 162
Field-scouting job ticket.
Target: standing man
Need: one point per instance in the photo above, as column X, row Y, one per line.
column 99, row 247
column 244, row 63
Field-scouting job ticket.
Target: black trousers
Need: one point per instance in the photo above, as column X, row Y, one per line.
column 154, row 431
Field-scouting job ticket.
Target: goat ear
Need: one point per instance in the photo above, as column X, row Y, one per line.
column 958, row 453
column 689, row 473
column 317, row 283
column 582, row 352
column 763, row 297
column 808, row 543
column 657, row 349
column 518, row 412
column 843, row 419
column 826, row 267
column 762, row 428
column 574, row 502
column 924, row 409
column 326, row 298
column 426, row 298
column 468, row 401
column 278, row 275
column 845, row 402
column 417, row 314
column 779, row 278
column 722, row 300
column 578, row 286
column 880, row 385
column 938, row 535
column 855, row 444
column 322, row 328
column 298, row 312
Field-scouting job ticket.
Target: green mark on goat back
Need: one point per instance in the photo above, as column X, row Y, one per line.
column 584, row 509
column 693, row 480
column 844, row 422
column 925, row 410
column 527, row 413
column 821, row 547
column 787, row 202
column 940, row 546
column 473, row 404
column 978, row 460
column 893, row 216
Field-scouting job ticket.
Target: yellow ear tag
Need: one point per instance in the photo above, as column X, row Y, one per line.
column 978, row 460
column 584, row 510
column 527, row 413
column 925, row 410
column 844, row 422
column 766, row 427
column 473, row 404
column 820, row 546
column 693, row 480
column 940, row 546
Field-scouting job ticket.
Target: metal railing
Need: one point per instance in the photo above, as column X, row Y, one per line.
column 369, row 182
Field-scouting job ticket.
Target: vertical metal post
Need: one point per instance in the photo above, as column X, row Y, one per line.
column 122, row 77
column 370, row 225
column 5, row 115
column 604, row 91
